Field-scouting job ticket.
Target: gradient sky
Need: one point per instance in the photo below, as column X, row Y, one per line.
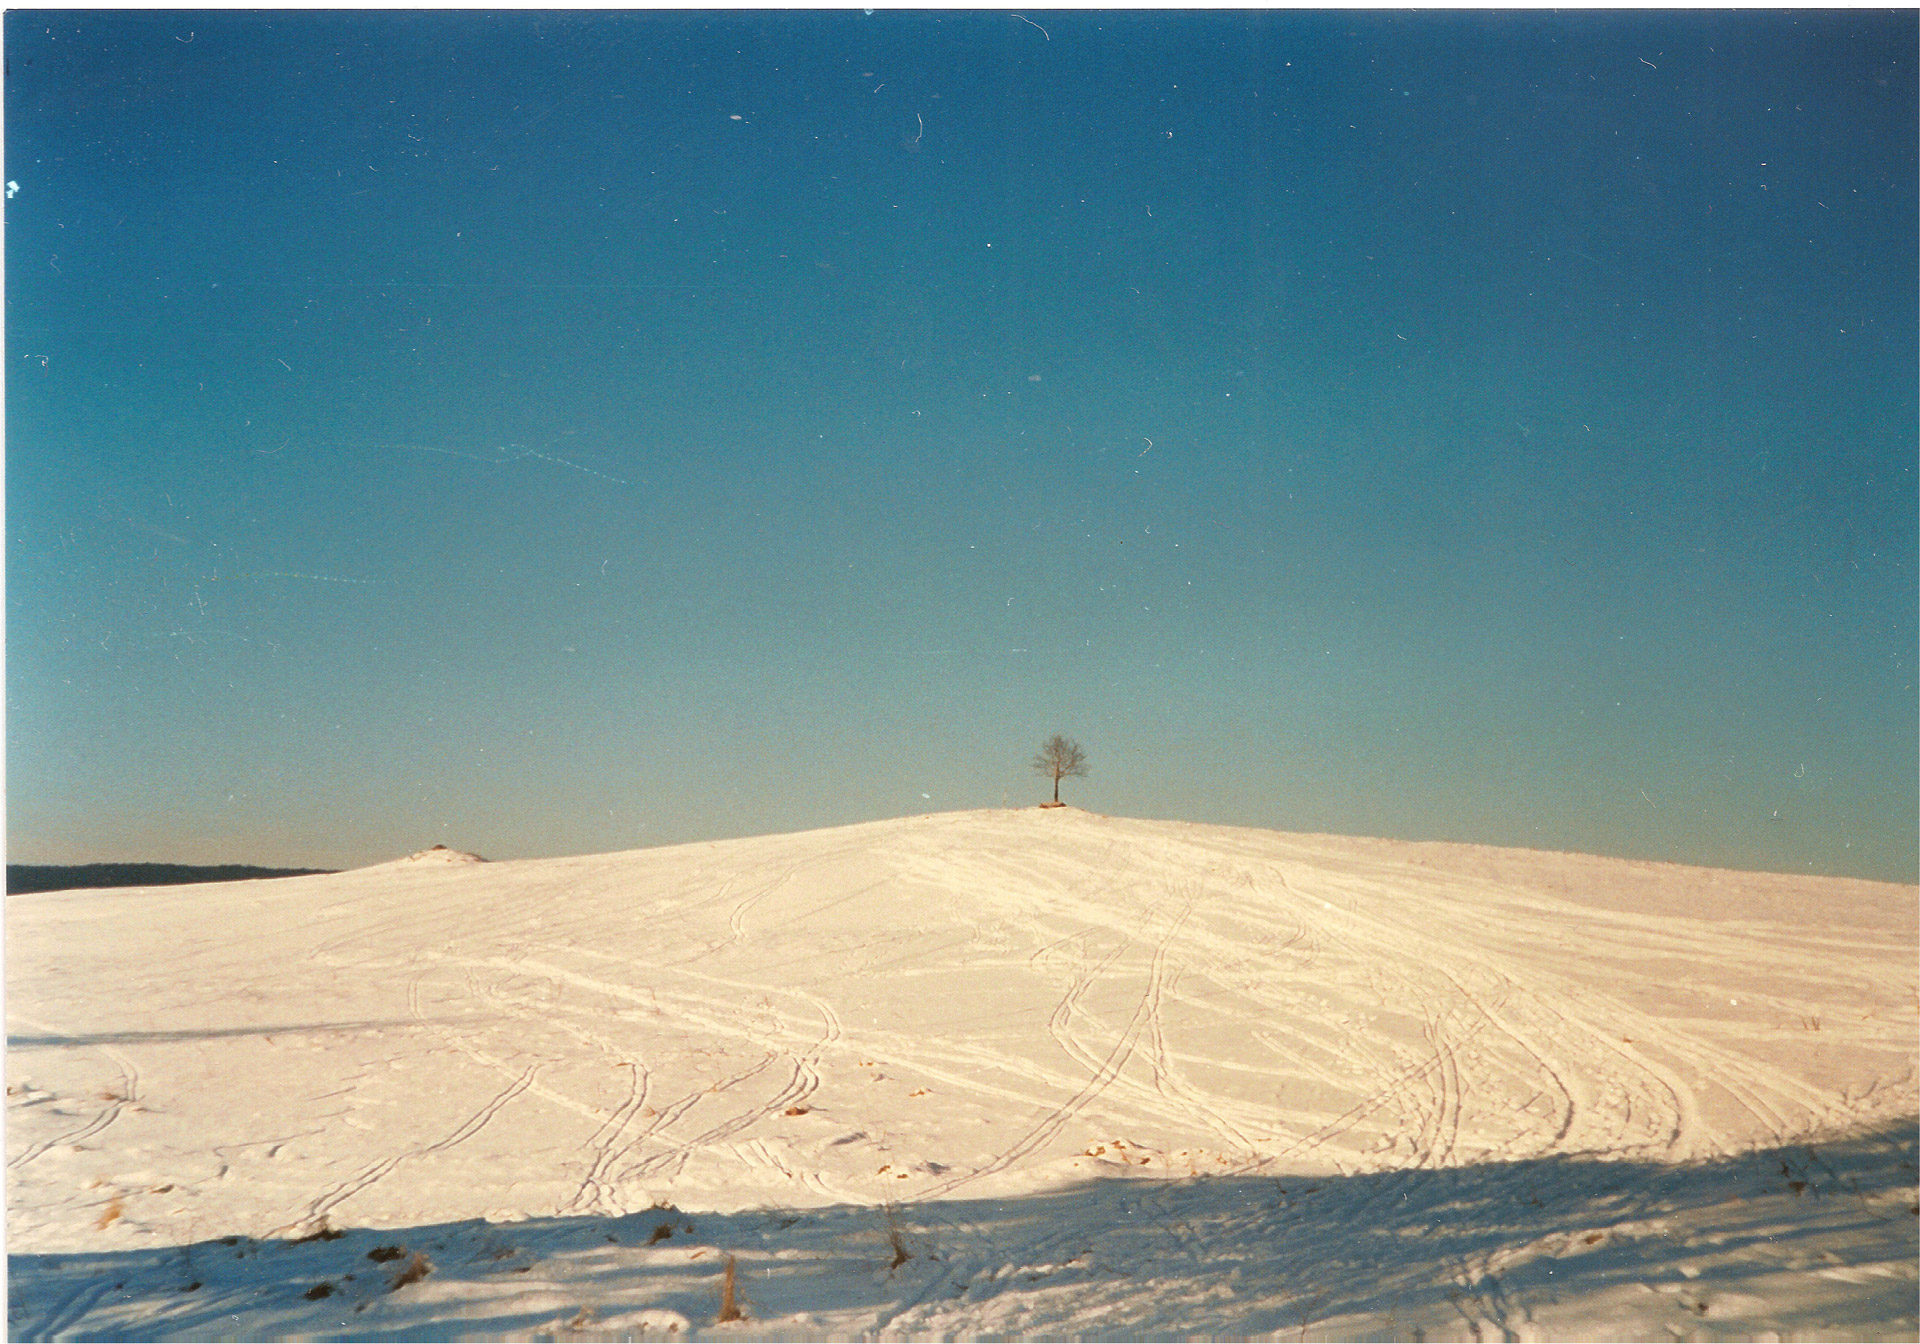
column 549, row 433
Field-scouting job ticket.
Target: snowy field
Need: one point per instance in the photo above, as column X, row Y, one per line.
column 985, row 1074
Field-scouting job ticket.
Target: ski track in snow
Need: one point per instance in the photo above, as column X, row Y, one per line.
column 117, row 1099
column 936, row 1014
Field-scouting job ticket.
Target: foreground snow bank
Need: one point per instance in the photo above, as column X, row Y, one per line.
column 1802, row 1241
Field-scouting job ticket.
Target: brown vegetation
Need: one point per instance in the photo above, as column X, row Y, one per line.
column 729, row 1309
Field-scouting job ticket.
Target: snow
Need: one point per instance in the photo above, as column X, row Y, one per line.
column 984, row 1074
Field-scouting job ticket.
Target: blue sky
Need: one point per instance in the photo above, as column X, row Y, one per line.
column 559, row 433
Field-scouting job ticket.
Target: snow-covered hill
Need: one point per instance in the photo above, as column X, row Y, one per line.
column 988, row 1073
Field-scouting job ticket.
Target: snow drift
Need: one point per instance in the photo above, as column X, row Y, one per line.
column 1035, row 1072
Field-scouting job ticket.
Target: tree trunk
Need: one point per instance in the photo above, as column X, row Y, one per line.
column 1056, row 788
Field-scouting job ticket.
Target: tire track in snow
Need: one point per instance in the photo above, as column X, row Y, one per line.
column 68, row 1312
column 1168, row 1081
column 494, row 1064
column 1396, row 1080
column 548, row 1015
column 125, row 1095
column 1431, row 1084
column 1437, row 951
column 1169, row 1091
column 802, row 1083
column 1229, row 1116
column 376, row 1171
column 1094, row 898
column 1105, row 1072
column 1674, row 1121
column 1256, row 908
column 605, row 1145
column 676, row 1154
column 1576, row 1098
column 1452, row 1096
column 661, row 1121
column 595, row 1193
column 1434, row 948
column 1394, row 1089
column 1669, row 1118
column 737, row 915
column 718, row 1015
column 1765, row 1092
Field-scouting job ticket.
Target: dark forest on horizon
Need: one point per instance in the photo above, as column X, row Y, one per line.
column 28, row 877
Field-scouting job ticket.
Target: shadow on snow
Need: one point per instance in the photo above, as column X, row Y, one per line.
column 1390, row 1253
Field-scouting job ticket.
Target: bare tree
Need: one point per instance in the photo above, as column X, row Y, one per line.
column 1059, row 758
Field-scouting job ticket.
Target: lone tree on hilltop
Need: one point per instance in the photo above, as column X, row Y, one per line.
column 1059, row 757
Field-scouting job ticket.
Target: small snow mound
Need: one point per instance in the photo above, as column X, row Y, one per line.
column 441, row 854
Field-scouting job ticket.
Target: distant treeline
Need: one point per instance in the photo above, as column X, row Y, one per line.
column 23, row 877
